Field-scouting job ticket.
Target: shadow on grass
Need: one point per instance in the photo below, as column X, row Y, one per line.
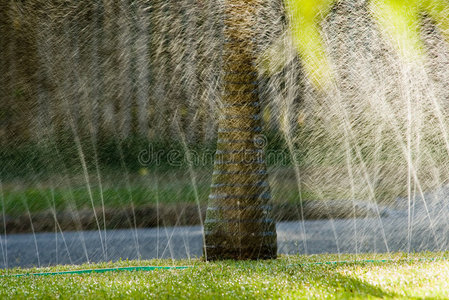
column 302, row 280
column 332, row 280
column 358, row 287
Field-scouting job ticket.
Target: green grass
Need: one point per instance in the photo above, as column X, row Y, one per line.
column 17, row 202
column 19, row 197
column 289, row 277
column 40, row 199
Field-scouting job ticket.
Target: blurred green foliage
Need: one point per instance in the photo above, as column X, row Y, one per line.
column 399, row 21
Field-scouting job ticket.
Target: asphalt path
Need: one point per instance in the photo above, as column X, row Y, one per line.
column 390, row 231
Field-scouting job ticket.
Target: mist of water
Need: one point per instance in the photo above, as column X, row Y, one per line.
column 88, row 86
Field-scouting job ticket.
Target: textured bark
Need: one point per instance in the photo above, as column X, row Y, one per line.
column 5, row 69
column 238, row 223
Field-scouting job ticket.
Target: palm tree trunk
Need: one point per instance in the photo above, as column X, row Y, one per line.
column 238, row 223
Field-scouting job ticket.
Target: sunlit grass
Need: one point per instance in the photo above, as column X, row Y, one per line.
column 402, row 276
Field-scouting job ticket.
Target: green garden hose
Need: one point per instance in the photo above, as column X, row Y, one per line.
column 151, row 268
column 89, row 271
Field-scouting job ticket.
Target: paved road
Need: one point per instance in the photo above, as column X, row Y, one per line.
column 391, row 232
